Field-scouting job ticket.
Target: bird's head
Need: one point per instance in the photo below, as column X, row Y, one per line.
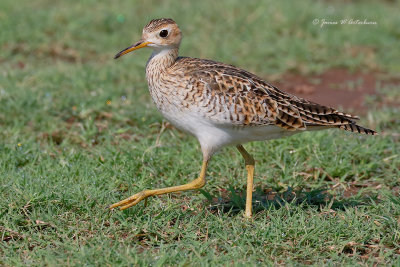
column 159, row 34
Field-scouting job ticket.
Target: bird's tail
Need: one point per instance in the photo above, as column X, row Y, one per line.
column 353, row 127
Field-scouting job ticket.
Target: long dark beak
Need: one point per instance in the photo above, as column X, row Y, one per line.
column 136, row 46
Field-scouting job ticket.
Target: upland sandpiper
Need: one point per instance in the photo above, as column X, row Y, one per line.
column 222, row 105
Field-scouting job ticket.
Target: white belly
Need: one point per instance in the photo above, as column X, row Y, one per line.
column 213, row 136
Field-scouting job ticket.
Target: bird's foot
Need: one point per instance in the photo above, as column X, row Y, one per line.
column 248, row 215
column 132, row 200
column 135, row 199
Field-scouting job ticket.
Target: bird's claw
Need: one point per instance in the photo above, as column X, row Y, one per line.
column 131, row 201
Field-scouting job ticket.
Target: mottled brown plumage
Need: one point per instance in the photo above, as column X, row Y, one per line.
column 222, row 105
column 251, row 100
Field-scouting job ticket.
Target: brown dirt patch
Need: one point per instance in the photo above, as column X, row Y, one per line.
column 338, row 88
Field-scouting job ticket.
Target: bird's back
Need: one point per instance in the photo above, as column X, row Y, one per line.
column 227, row 95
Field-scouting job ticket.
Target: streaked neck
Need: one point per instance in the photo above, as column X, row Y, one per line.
column 161, row 59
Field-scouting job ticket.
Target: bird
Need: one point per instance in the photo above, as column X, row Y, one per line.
column 222, row 105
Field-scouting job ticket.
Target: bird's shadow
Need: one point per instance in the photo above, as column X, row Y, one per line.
column 233, row 201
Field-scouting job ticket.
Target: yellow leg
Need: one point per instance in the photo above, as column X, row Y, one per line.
column 135, row 199
column 249, row 161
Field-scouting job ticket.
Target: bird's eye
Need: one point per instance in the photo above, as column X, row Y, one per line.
column 163, row 33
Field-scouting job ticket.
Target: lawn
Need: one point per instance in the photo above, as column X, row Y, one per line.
column 78, row 132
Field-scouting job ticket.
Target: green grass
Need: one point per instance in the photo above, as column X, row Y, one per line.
column 66, row 153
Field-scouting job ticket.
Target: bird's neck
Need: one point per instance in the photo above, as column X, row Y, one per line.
column 161, row 60
column 156, row 70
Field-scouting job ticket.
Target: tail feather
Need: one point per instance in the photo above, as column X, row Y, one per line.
column 296, row 113
column 317, row 115
column 353, row 127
